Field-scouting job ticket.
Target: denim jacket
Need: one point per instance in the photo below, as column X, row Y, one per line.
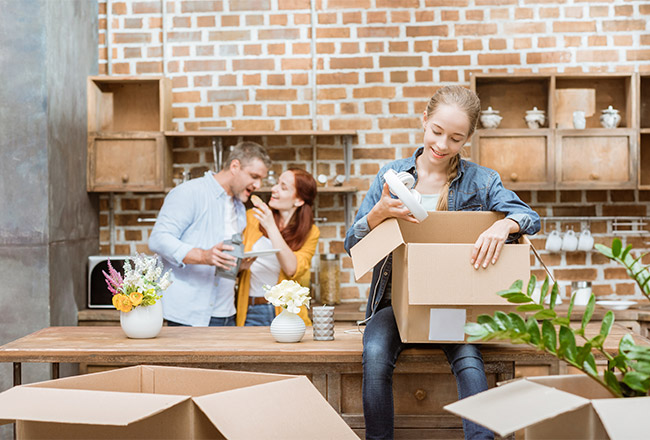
column 475, row 188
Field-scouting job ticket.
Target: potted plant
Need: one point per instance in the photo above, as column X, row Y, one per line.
column 627, row 373
column 137, row 295
column 288, row 326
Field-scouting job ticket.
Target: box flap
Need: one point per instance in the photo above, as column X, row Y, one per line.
column 624, row 418
column 479, row 286
column 515, row 405
column 82, row 406
column 380, row 242
column 283, row 410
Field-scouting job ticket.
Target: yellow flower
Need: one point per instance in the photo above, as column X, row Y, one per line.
column 122, row 303
column 136, row 298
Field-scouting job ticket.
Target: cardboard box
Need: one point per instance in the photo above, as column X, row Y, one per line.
column 557, row 407
column 435, row 289
column 151, row 402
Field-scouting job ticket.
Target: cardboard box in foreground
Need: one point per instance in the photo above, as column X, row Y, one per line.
column 435, row 289
column 151, row 402
column 557, row 407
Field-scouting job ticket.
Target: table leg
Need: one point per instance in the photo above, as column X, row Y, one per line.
column 17, row 373
column 55, row 370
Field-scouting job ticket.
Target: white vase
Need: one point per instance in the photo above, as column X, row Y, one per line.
column 288, row 327
column 143, row 322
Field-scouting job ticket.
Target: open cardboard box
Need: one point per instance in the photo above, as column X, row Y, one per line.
column 435, row 289
column 152, row 402
column 557, row 407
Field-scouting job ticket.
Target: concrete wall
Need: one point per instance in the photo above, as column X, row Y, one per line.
column 48, row 223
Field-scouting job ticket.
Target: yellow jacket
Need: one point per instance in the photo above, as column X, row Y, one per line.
column 302, row 276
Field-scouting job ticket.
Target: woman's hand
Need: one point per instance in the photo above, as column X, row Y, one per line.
column 489, row 244
column 387, row 207
column 246, row 263
column 264, row 214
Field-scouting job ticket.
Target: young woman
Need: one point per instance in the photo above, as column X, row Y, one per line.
column 446, row 182
column 287, row 224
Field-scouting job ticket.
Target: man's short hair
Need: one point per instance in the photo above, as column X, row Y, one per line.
column 247, row 151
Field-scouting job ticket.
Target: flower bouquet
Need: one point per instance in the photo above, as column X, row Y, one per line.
column 288, row 295
column 288, row 326
column 141, row 285
column 136, row 294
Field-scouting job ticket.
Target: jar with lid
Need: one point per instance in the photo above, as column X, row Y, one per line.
column 581, row 291
column 329, row 278
column 270, row 180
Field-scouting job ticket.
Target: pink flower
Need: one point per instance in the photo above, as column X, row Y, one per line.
column 114, row 280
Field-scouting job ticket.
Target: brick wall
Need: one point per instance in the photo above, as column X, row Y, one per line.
column 247, row 64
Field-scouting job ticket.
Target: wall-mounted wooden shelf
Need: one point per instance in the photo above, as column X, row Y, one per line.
column 558, row 156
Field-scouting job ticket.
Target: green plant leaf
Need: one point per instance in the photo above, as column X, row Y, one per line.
column 545, row 314
column 502, row 320
column 637, row 381
column 567, row 347
column 583, row 352
column 589, row 311
column 543, row 291
column 518, row 323
column 529, row 308
column 549, row 336
column 589, row 365
column 476, row 330
column 626, row 251
column 533, row 330
column 617, row 362
column 554, row 294
column 612, row 383
column 604, row 250
column 608, row 322
column 616, row 247
column 571, row 301
column 487, row 321
column 561, row 321
column 531, row 285
column 517, row 285
column 517, row 298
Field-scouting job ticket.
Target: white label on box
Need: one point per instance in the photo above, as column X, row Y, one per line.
column 447, row 324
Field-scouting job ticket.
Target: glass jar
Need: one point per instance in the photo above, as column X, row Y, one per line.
column 329, row 278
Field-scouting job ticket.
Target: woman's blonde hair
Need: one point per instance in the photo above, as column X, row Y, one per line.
column 468, row 102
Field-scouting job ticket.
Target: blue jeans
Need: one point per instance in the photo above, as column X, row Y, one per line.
column 381, row 348
column 260, row 314
column 228, row 321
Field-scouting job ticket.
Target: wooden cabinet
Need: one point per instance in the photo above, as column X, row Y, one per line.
column 127, row 150
column 556, row 155
column 129, row 162
column 644, row 131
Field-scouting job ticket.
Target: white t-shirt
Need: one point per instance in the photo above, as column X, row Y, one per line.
column 264, row 270
column 224, row 305
column 430, row 201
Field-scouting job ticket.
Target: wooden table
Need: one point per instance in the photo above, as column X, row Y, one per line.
column 423, row 382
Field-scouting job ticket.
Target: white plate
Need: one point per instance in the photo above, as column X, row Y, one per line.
column 616, row 304
column 262, row 253
column 399, row 189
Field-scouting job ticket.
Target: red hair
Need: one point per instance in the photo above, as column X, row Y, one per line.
column 296, row 232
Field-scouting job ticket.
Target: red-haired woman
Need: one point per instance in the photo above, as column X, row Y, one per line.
column 287, row 224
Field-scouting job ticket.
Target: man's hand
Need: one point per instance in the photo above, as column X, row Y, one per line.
column 215, row 256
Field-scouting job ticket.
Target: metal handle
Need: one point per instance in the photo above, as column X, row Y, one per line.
column 420, row 394
column 514, row 177
column 594, row 176
column 125, row 178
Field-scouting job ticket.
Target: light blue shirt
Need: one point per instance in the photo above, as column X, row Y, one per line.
column 192, row 216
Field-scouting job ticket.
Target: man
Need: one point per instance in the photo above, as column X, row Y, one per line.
column 196, row 217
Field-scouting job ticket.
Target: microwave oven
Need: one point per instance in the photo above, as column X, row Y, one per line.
column 99, row 297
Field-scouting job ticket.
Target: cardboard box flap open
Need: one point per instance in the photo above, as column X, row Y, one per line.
column 515, row 405
column 287, row 409
column 81, row 406
column 379, row 242
column 624, row 419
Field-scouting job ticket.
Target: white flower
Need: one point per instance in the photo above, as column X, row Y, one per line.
column 288, row 294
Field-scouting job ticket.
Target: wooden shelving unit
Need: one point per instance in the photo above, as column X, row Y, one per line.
column 557, row 156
